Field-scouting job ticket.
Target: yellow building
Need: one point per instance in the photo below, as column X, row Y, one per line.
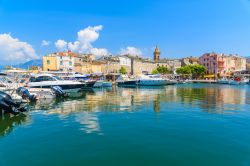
column 89, row 67
column 50, row 63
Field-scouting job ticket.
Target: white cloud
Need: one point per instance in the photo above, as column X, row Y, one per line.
column 83, row 44
column 99, row 51
column 12, row 50
column 74, row 46
column 131, row 51
column 61, row 45
column 45, row 43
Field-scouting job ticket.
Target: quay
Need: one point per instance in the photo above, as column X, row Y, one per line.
column 204, row 81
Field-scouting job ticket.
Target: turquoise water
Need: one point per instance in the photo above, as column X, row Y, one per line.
column 187, row 125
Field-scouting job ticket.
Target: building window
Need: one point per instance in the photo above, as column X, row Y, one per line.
column 61, row 63
column 48, row 62
column 70, row 63
column 60, row 57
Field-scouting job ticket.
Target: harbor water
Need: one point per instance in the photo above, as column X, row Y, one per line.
column 181, row 125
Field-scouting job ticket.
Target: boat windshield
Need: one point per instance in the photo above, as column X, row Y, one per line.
column 5, row 80
column 58, row 78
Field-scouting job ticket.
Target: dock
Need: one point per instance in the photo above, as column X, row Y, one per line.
column 204, row 81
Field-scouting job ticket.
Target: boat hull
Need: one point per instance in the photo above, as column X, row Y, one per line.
column 152, row 82
column 66, row 88
column 130, row 83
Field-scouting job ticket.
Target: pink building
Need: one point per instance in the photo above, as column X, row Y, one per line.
column 222, row 64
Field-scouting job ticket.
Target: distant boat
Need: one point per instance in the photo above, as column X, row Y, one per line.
column 238, row 81
column 223, row 81
column 102, row 84
column 151, row 80
column 125, row 81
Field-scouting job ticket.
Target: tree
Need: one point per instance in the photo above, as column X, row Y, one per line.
column 155, row 71
column 123, row 70
column 161, row 70
column 195, row 71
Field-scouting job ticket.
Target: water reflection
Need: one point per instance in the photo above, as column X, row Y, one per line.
column 86, row 106
column 89, row 122
column 9, row 122
column 209, row 98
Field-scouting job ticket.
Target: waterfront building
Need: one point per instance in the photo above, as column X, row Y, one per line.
column 59, row 61
column 50, row 63
column 221, row 64
column 86, row 63
column 189, row 61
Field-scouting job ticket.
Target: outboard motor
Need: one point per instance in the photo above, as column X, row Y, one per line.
column 7, row 104
column 58, row 91
column 26, row 94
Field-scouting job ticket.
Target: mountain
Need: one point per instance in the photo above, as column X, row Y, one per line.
column 26, row 65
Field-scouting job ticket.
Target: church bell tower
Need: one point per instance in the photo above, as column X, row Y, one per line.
column 157, row 54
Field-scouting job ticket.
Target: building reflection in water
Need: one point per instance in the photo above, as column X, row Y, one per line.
column 208, row 98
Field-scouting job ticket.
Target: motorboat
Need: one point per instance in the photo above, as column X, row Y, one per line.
column 8, row 105
column 238, row 81
column 12, row 88
column 81, row 78
column 125, row 81
column 49, row 81
column 151, row 80
column 223, row 81
column 171, row 82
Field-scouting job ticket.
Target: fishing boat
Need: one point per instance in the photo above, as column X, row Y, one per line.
column 151, row 80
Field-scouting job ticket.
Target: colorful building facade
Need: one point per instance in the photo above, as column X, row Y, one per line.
column 221, row 64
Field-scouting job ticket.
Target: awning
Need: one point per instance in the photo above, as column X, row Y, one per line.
column 209, row 76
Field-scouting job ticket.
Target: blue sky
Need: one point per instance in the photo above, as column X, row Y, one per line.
column 180, row 27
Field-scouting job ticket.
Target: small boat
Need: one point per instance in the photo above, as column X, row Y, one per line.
column 106, row 84
column 102, row 84
column 223, row 81
column 151, row 80
column 238, row 81
column 125, row 81
column 172, row 82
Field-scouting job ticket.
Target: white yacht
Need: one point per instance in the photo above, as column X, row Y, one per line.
column 10, row 86
column 151, row 80
column 49, row 80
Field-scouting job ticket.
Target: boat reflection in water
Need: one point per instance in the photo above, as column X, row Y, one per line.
column 210, row 98
column 9, row 122
column 207, row 98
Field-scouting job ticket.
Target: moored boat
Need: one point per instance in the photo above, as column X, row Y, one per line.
column 127, row 83
column 48, row 81
column 151, row 80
